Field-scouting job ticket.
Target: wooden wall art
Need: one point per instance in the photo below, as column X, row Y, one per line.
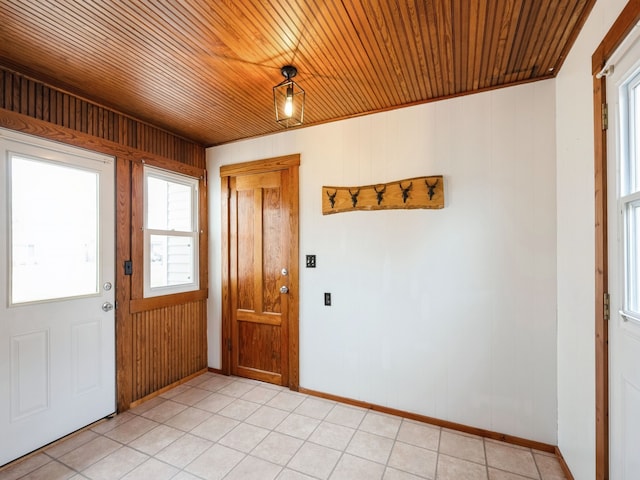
column 419, row 192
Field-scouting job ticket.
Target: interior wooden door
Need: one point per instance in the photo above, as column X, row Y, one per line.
column 261, row 286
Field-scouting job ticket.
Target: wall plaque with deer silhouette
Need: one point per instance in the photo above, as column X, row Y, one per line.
column 419, row 192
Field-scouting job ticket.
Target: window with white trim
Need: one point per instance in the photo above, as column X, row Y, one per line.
column 170, row 233
column 629, row 198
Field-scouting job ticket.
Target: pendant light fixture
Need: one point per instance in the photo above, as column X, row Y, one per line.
column 288, row 99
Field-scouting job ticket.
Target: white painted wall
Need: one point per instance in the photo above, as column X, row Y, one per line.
column 576, row 248
column 448, row 313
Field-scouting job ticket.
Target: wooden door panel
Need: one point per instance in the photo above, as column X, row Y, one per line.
column 261, row 355
column 245, row 249
column 272, row 254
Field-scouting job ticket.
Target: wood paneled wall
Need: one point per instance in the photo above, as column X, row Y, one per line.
column 22, row 95
column 175, row 346
column 164, row 343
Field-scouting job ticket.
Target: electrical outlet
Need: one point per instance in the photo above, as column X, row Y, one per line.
column 327, row 299
column 311, row 261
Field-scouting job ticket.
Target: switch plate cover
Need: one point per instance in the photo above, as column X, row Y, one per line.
column 327, row 299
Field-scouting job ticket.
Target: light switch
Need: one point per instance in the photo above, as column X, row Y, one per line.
column 311, row 261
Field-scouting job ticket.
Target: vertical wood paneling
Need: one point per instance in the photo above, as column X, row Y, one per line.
column 169, row 344
column 22, row 95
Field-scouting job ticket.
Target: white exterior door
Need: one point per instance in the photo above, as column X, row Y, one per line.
column 57, row 325
column 623, row 140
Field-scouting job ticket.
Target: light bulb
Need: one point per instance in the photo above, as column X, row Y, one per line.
column 288, row 103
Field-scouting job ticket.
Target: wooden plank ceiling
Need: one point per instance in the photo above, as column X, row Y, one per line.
column 205, row 69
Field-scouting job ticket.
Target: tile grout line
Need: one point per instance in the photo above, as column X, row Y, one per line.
column 343, row 451
column 307, row 439
column 435, row 473
column 395, row 439
column 486, row 459
column 273, row 430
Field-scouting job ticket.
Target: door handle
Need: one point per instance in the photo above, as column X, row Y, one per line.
column 284, row 289
column 107, row 306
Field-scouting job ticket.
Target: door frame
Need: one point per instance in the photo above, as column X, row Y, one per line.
column 622, row 26
column 291, row 163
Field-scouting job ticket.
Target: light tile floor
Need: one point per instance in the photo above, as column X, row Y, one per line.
column 216, row 427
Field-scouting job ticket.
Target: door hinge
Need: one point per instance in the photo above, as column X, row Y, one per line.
column 605, row 116
column 229, row 344
column 606, row 307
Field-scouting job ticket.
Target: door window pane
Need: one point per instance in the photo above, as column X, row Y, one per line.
column 631, row 145
column 54, row 230
column 632, row 253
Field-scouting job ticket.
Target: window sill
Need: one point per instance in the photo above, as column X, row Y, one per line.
column 153, row 303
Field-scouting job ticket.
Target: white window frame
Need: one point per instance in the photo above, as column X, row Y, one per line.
column 193, row 184
column 629, row 194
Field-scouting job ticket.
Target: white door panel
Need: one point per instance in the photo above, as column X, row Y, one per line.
column 623, row 140
column 57, row 251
